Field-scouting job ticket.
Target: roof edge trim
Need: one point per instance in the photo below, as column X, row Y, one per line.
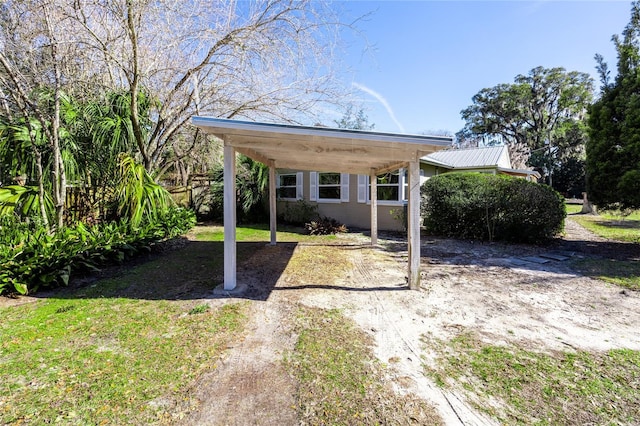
column 224, row 123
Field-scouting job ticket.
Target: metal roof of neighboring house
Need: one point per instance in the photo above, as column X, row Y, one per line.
column 491, row 156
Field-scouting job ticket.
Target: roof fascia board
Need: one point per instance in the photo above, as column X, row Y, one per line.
column 521, row 171
column 219, row 123
column 436, row 163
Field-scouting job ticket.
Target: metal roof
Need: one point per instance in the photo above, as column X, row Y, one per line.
column 491, row 156
column 321, row 148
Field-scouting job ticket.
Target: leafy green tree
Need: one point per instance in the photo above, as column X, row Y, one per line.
column 540, row 117
column 95, row 134
column 613, row 150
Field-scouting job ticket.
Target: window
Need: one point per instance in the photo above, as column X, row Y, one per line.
column 392, row 188
column 388, row 186
column 289, row 186
column 329, row 187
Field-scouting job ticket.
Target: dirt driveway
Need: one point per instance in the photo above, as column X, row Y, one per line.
column 503, row 293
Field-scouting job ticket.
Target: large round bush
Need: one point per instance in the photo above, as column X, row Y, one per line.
column 491, row 207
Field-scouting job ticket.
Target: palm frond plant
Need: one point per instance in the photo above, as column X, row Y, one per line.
column 137, row 194
column 23, row 201
column 252, row 182
column 102, row 130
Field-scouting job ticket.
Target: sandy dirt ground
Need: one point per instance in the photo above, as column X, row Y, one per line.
column 499, row 292
column 479, row 287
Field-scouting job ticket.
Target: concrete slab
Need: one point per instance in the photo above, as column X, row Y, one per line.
column 535, row 259
column 238, row 290
column 518, row 262
column 553, row 256
column 563, row 253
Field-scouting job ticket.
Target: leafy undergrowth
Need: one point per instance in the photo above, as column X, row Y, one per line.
column 340, row 380
column 32, row 259
column 527, row 387
column 107, row 360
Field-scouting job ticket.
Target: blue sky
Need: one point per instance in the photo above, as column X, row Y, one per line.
column 426, row 59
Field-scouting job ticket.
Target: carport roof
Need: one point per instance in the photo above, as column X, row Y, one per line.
column 322, row 148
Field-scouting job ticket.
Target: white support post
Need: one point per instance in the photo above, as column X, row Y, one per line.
column 373, row 178
column 272, row 204
column 229, row 218
column 413, row 228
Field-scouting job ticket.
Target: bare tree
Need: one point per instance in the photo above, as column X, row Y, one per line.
column 267, row 59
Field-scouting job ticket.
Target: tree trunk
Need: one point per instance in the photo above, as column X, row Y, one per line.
column 58, row 173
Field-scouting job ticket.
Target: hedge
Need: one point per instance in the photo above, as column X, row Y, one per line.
column 491, row 207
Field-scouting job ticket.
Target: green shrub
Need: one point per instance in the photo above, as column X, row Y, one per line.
column 32, row 259
column 489, row 207
column 325, row 226
column 299, row 213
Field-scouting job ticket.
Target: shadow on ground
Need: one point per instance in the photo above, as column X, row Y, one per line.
column 194, row 269
column 190, row 270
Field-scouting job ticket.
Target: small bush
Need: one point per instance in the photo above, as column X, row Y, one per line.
column 489, row 207
column 299, row 213
column 325, row 226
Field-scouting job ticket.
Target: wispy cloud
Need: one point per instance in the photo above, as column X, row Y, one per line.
column 382, row 100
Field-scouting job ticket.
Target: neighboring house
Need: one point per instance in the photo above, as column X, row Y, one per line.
column 491, row 159
column 346, row 197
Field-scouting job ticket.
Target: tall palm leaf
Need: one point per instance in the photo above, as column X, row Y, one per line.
column 23, row 201
column 16, row 152
column 137, row 194
column 103, row 131
column 252, row 182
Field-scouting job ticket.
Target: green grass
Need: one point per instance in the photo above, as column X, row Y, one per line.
column 106, row 360
column 627, row 230
column 573, row 208
column 562, row 388
column 125, row 350
column 619, row 272
column 612, row 226
column 260, row 233
column 340, row 380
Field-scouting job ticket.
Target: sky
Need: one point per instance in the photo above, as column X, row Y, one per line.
column 417, row 64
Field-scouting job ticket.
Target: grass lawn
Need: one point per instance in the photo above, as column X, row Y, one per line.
column 611, row 225
column 529, row 387
column 573, row 208
column 126, row 349
column 619, row 272
column 260, row 233
column 107, row 360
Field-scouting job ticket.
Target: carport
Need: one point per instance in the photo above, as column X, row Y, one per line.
column 325, row 150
